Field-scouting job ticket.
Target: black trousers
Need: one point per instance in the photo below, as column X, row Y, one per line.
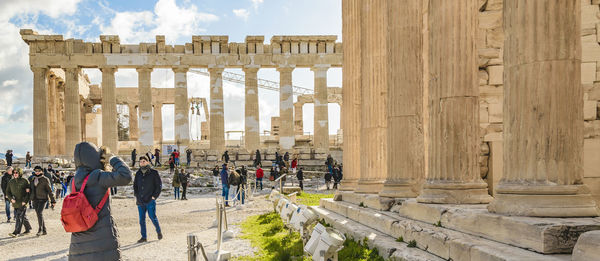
column 183, row 196
column 301, row 184
column 39, row 205
column 21, row 219
column 113, row 190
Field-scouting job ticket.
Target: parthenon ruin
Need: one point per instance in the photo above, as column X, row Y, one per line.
column 470, row 127
column 51, row 55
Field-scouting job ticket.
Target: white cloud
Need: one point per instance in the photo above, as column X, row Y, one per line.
column 256, row 3
column 16, row 77
column 242, row 13
column 167, row 19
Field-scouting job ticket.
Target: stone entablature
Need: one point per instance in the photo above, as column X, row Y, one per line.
column 203, row 51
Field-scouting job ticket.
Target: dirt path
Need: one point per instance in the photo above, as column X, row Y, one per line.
column 177, row 219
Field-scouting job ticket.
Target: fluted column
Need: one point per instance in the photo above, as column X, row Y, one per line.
column 321, row 115
column 252, row 119
column 217, row 117
column 72, row 109
column 453, row 106
column 543, row 127
column 110, row 135
column 146, row 129
column 373, row 106
column 133, row 122
column 298, row 122
column 182, row 119
column 351, row 92
column 41, row 135
column 158, row 135
column 287, row 138
column 52, row 113
column 61, row 128
column 405, row 89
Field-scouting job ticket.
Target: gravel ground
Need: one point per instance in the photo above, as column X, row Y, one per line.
column 177, row 220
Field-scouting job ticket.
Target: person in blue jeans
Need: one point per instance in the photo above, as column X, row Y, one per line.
column 224, row 178
column 146, row 188
column 5, row 179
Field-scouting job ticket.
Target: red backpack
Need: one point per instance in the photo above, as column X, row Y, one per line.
column 77, row 215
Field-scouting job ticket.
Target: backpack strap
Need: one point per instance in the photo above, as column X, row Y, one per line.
column 102, row 202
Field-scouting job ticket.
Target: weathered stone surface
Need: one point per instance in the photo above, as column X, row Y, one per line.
column 587, row 247
column 590, row 109
column 368, row 200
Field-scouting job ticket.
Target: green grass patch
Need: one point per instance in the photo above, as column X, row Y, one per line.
column 412, row 243
column 400, row 239
column 358, row 251
column 273, row 241
column 311, row 199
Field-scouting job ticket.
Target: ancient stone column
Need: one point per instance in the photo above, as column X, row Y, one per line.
column 351, row 92
column 72, row 110
column 373, row 105
column 453, row 106
column 543, row 112
column 133, row 122
column 146, row 129
column 298, row 122
column 52, row 113
column 321, row 115
column 41, row 135
column 287, row 138
column 182, row 108
column 252, row 119
column 217, row 117
column 158, row 135
column 110, row 135
column 60, row 133
column 405, row 94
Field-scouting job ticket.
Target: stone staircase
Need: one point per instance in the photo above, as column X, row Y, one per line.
column 451, row 232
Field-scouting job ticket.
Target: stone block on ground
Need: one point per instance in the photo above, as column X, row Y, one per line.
column 587, row 247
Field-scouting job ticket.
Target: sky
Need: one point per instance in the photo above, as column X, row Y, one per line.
column 140, row 21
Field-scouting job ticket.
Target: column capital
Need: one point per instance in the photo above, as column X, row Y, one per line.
column 108, row 68
column 320, row 67
column 71, row 67
column 181, row 69
column 251, row 68
column 146, row 69
column 286, row 69
column 216, row 69
column 38, row 69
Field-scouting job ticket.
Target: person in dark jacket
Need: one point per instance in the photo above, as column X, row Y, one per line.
column 100, row 242
column 184, row 179
column 225, row 183
column 240, row 190
column 257, row 159
column 300, row 176
column 28, row 160
column 146, row 188
column 286, row 157
column 40, row 192
column 337, row 176
column 9, row 157
column 188, row 156
column 133, row 157
column 328, row 177
column 215, row 172
column 6, row 177
column 225, row 157
column 58, row 181
column 157, row 157
column 18, row 193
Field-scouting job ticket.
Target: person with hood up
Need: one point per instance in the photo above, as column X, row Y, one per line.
column 146, row 188
column 18, row 193
column 100, row 242
column 6, row 177
column 40, row 192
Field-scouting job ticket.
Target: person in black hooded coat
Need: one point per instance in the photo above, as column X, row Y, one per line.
column 101, row 241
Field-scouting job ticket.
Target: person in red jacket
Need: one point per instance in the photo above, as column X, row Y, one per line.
column 294, row 164
column 259, row 176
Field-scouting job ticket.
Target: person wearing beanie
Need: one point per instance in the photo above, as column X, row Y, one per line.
column 40, row 192
column 100, row 242
column 18, row 193
column 146, row 188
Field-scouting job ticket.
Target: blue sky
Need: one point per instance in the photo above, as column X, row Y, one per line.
column 138, row 21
